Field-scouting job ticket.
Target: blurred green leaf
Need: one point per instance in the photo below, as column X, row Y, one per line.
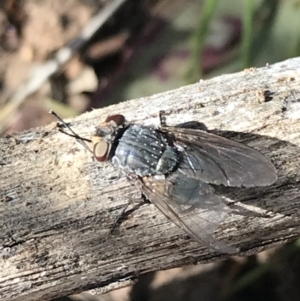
column 199, row 40
column 265, row 17
column 63, row 110
column 246, row 45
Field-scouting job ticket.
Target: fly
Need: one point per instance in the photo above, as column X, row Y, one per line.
column 174, row 168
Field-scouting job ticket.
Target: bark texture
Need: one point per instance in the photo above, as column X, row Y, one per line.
column 57, row 205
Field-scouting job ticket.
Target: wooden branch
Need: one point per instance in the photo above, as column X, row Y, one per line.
column 57, row 205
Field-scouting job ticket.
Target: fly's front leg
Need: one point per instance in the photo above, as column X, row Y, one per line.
column 123, row 215
column 119, row 217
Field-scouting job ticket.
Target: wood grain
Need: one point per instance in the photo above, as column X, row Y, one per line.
column 57, row 205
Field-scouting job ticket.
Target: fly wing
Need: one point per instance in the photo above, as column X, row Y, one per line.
column 217, row 160
column 191, row 204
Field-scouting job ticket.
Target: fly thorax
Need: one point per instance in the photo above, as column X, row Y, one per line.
column 144, row 151
column 168, row 161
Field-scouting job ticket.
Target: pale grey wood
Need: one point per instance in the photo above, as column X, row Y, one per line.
column 57, row 205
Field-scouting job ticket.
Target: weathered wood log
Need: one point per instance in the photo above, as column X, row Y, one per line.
column 57, row 205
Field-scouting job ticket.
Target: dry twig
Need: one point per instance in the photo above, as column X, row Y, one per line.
column 57, row 205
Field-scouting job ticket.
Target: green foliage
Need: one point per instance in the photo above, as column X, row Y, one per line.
column 199, row 38
column 270, row 33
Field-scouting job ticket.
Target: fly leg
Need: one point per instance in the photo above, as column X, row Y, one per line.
column 186, row 125
column 119, row 218
column 162, row 119
column 124, row 214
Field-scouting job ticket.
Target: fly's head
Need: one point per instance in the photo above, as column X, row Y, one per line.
column 106, row 137
column 104, row 140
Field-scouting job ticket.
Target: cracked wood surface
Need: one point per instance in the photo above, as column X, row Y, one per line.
column 57, row 205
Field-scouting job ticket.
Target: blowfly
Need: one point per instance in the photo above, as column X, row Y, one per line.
column 174, row 168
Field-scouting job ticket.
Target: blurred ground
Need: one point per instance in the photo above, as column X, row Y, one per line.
column 270, row 275
column 146, row 48
column 143, row 49
column 31, row 31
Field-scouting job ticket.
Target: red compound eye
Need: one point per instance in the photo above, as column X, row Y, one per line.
column 117, row 119
column 101, row 150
